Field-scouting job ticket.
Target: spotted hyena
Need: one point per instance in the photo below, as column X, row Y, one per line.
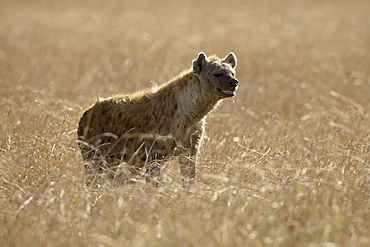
column 131, row 135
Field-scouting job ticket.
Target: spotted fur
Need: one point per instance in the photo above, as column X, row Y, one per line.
column 131, row 135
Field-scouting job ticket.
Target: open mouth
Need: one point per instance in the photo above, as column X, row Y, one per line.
column 229, row 93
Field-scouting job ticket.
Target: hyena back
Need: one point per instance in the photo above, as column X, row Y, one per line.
column 132, row 134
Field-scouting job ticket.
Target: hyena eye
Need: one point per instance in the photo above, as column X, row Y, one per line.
column 233, row 74
column 218, row 74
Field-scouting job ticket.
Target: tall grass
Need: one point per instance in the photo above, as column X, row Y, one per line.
column 285, row 163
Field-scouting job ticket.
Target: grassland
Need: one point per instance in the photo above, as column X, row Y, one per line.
column 285, row 163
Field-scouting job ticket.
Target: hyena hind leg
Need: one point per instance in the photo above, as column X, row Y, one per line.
column 93, row 172
column 153, row 173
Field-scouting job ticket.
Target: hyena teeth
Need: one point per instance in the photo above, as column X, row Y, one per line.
column 227, row 91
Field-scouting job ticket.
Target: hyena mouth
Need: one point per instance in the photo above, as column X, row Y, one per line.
column 228, row 93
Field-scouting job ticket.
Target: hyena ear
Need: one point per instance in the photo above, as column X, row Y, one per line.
column 230, row 59
column 200, row 63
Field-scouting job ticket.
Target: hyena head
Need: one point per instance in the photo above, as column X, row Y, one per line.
column 217, row 75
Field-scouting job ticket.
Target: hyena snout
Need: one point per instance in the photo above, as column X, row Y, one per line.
column 233, row 82
column 228, row 87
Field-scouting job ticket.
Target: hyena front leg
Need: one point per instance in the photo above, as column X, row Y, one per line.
column 188, row 159
column 187, row 166
column 156, row 157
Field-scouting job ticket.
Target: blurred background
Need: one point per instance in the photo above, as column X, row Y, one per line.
column 293, row 144
column 73, row 49
column 296, row 59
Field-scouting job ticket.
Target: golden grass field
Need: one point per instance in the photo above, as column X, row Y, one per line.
column 284, row 163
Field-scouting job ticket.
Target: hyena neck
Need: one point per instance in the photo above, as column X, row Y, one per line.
column 193, row 100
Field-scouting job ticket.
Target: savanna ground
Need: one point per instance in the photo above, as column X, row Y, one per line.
column 285, row 163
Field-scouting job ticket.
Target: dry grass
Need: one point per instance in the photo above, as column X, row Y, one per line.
column 284, row 164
